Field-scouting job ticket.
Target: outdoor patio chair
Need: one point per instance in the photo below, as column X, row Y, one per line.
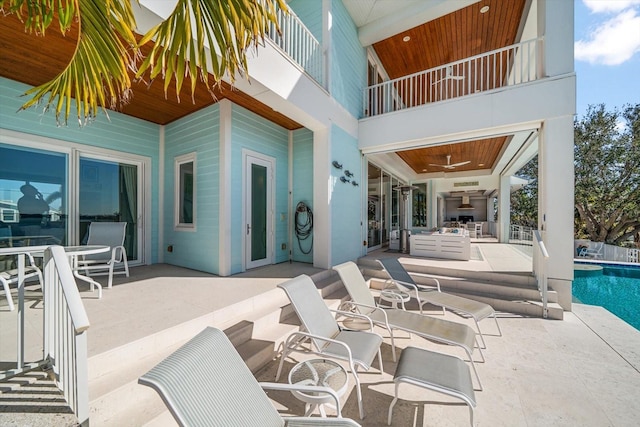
column 433, row 295
column 205, row 382
column 10, row 277
column 594, row 252
column 437, row 330
column 326, row 337
column 110, row 234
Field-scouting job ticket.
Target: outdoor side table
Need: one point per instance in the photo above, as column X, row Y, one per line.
column 318, row 372
column 394, row 296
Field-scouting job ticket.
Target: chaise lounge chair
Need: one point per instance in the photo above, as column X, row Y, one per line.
column 206, row 382
column 432, row 295
column 438, row 330
column 359, row 348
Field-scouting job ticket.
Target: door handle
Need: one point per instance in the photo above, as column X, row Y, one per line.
column 248, row 229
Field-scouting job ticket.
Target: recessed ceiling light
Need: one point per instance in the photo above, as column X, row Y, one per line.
column 480, row 164
column 484, row 9
column 406, row 38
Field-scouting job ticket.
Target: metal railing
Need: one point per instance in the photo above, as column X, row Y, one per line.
column 64, row 328
column 520, row 234
column 540, row 259
column 508, row 66
column 299, row 44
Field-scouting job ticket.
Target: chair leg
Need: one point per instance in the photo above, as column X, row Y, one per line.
column 497, row 324
column 358, row 390
column 393, row 402
column 393, row 344
column 7, row 292
column 484, row 344
column 110, row 283
column 475, row 371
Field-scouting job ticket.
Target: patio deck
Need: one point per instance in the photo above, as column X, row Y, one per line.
column 584, row 370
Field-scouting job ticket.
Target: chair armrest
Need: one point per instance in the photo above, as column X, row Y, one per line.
column 428, row 278
column 320, row 338
column 303, row 389
column 317, row 421
column 373, row 308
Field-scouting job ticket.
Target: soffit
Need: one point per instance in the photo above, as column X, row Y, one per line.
column 34, row 60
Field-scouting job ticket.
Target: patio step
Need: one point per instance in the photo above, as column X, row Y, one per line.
column 507, row 292
column 256, row 327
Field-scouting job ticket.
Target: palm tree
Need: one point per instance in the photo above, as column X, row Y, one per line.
column 201, row 39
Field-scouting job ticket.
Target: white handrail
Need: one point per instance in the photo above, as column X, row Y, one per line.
column 65, row 331
column 298, row 43
column 64, row 328
column 508, row 66
column 540, row 258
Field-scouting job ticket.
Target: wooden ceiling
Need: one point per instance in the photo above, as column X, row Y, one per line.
column 34, row 60
column 456, row 36
column 482, row 153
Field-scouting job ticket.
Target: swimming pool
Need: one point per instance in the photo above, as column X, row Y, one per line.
column 615, row 288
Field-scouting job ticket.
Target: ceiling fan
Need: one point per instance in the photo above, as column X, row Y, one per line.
column 448, row 75
column 450, row 165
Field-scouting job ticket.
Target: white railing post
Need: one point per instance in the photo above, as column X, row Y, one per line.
column 541, row 256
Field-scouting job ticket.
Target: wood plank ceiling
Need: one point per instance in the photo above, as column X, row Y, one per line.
column 456, row 36
column 35, row 60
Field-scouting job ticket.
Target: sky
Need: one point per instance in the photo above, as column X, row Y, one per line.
column 607, row 53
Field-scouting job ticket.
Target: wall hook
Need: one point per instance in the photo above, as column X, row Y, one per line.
column 336, row 164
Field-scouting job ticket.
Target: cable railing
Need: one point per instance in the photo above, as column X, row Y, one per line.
column 299, row 44
column 64, row 328
column 540, row 259
column 508, row 66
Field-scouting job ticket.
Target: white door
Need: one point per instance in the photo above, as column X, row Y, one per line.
column 258, row 210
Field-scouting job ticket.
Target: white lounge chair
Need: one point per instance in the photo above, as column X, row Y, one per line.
column 433, row 295
column 110, row 234
column 438, row 330
column 359, row 348
column 205, row 382
column 10, row 277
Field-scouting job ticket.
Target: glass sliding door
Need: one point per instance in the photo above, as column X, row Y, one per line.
column 374, row 207
column 33, row 197
column 109, row 191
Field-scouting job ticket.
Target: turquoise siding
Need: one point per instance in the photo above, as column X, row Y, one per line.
column 302, row 186
column 252, row 132
column 199, row 133
column 349, row 61
column 310, row 13
column 118, row 132
column 346, row 217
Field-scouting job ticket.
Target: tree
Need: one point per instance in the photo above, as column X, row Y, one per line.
column 607, row 168
column 108, row 52
column 524, row 202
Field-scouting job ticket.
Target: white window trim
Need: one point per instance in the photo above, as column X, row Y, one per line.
column 177, row 162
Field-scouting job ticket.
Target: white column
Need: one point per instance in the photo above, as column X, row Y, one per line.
column 555, row 23
column 321, row 199
column 504, row 209
column 224, row 225
column 556, row 202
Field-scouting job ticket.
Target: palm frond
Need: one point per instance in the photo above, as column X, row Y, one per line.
column 203, row 38
column 97, row 75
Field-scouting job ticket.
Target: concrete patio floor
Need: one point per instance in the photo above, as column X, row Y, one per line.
column 582, row 371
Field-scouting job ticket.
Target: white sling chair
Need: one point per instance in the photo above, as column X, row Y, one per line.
column 110, row 234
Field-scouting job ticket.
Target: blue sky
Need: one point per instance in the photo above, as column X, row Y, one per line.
column 607, row 53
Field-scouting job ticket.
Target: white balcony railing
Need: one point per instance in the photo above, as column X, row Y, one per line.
column 520, row 234
column 511, row 65
column 64, row 331
column 299, row 44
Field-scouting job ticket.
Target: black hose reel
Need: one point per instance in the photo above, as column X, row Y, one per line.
column 304, row 225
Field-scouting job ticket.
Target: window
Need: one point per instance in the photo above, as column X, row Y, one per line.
column 185, row 192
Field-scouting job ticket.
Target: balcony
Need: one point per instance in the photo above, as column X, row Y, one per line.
column 509, row 66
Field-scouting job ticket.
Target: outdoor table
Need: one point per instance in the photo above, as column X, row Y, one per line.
column 75, row 252
column 318, row 372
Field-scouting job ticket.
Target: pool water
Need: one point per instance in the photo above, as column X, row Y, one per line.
column 615, row 288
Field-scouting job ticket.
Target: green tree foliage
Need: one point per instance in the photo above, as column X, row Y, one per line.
column 607, row 168
column 524, row 202
column 108, row 53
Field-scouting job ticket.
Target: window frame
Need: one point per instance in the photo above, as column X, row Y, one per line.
column 178, row 192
